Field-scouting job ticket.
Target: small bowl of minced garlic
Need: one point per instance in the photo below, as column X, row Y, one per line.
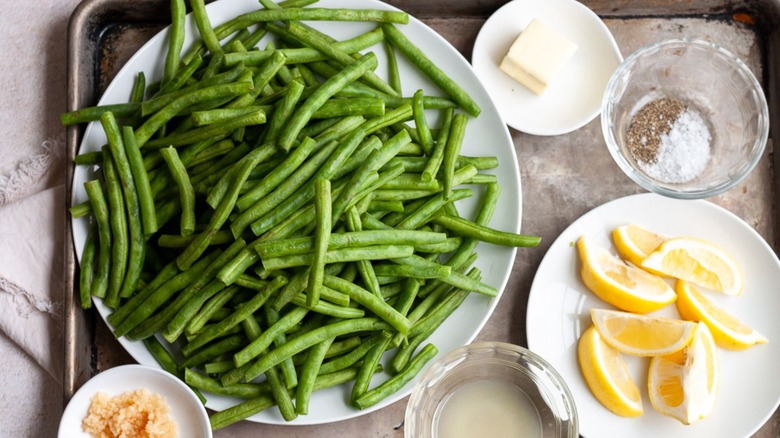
column 685, row 118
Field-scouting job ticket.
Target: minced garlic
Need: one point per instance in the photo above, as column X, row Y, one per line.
column 134, row 414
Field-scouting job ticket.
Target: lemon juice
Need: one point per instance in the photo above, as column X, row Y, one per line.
column 488, row 407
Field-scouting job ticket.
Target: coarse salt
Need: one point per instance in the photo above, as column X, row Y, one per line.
column 683, row 152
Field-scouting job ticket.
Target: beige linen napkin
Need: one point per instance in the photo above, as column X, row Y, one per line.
column 31, row 265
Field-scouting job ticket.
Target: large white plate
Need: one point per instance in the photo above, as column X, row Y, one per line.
column 574, row 97
column 486, row 135
column 559, row 306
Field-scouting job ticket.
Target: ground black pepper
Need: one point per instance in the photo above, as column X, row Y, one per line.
column 652, row 121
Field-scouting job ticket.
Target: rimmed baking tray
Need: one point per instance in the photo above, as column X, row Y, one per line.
column 563, row 177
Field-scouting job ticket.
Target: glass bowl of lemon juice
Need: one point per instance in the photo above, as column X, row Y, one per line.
column 491, row 389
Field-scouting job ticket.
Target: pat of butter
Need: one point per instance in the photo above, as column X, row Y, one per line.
column 536, row 55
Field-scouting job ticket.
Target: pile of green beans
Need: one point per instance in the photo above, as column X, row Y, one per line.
column 271, row 220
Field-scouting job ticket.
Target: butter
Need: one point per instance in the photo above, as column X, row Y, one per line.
column 536, row 56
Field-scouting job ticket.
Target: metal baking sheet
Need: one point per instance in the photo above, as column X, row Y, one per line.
column 563, row 177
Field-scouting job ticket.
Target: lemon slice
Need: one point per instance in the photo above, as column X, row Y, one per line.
column 634, row 243
column 642, row 335
column 625, row 287
column 697, row 261
column 606, row 374
column 684, row 385
column 728, row 331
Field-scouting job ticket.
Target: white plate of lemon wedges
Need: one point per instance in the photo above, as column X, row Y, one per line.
column 676, row 333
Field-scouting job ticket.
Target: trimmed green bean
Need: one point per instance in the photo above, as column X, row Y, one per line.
column 322, row 208
column 395, row 383
column 468, row 228
column 316, row 336
column 439, row 77
column 309, row 373
column 119, row 234
column 186, row 191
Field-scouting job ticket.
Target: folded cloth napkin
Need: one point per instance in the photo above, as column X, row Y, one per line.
column 31, row 263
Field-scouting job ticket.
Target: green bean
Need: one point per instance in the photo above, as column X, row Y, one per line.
column 256, row 117
column 287, row 367
column 259, row 345
column 177, row 241
column 162, row 294
column 278, row 175
column 175, row 39
column 189, row 309
column 135, row 252
column 180, row 79
column 297, row 179
column 240, row 411
column 454, row 278
column 144, row 132
column 216, row 349
column 370, row 301
column 425, row 65
column 452, row 151
column 375, row 161
column 309, row 373
column 220, row 115
column 364, row 267
column 139, row 88
column 282, row 113
column 394, row 77
column 243, row 312
column 186, row 191
column 323, row 14
column 204, row 26
column 313, row 38
column 118, row 223
column 87, row 271
column 322, row 208
column 411, row 181
column 91, row 114
column 355, row 355
column 240, row 390
column 281, row 395
column 437, row 155
column 423, row 214
column 246, row 409
column 318, row 335
column 325, row 308
column 163, row 275
column 306, row 192
column 471, row 229
column 168, row 363
column 338, row 107
column 406, row 271
column 368, row 368
column 141, row 180
column 88, row 159
column 327, row 89
column 421, row 123
column 374, row 252
column 385, row 206
column 395, row 383
column 209, row 308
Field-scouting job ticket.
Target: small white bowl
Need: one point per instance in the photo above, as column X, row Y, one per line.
column 186, row 410
column 574, row 97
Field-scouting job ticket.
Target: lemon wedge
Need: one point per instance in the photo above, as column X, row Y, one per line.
column 684, row 385
column 624, row 286
column 634, row 242
column 697, row 261
column 606, row 373
column 642, row 335
column 728, row 331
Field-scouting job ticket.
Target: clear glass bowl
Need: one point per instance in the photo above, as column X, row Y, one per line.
column 710, row 80
column 544, row 391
